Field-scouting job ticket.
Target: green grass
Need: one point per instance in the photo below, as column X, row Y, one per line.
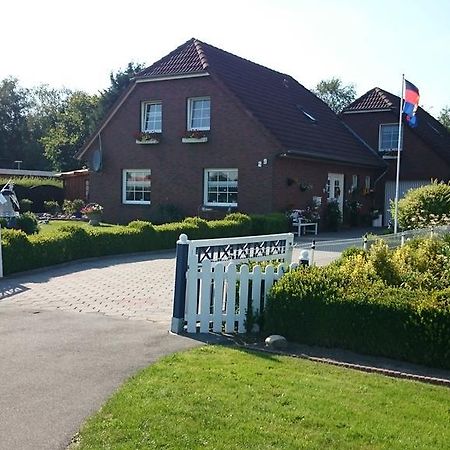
column 221, row 398
column 53, row 225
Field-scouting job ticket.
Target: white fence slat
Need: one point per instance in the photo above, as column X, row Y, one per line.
column 244, row 278
column 192, row 299
column 269, row 278
column 205, row 296
column 230, row 306
column 256, row 289
column 218, row 278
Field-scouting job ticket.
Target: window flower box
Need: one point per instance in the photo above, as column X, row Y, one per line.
column 144, row 137
column 194, row 137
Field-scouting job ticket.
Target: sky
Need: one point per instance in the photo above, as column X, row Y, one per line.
column 77, row 43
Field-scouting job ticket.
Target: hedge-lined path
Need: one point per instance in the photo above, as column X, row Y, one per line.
column 58, row 365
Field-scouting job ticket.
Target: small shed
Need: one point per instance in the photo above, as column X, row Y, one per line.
column 76, row 184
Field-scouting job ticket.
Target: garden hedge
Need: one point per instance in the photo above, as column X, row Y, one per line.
column 350, row 305
column 70, row 242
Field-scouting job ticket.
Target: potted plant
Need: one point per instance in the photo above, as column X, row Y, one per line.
column 147, row 137
column 93, row 211
column 194, row 137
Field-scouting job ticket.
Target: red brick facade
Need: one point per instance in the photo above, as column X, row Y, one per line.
column 236, row 141
column 418, row 160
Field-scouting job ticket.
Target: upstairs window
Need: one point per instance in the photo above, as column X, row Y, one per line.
column 221, row 187
column 199, row 113
column 388, row 139
column 152, row 117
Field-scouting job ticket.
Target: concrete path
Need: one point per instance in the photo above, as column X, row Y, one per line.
column 65, row 346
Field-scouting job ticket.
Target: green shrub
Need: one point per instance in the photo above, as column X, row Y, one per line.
column 425, row 206
column 243, row 220
column 52, row 207
column 332, row 216
column 25, row 205
column 29, row 182
column 269, row 223
column 72, row 207
column 381, row 302
column 27, row 222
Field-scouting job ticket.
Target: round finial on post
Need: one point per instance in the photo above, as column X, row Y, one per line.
column 182, row 239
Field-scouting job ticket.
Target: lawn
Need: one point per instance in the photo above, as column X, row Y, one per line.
column 53, row 225
column 222, row 398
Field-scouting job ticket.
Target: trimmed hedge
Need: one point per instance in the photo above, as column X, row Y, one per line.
column 22, row 252
column 349, row 305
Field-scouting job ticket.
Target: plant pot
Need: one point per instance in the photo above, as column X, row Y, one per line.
column 94, row 219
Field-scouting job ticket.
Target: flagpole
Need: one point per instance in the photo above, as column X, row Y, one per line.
column 397, row 178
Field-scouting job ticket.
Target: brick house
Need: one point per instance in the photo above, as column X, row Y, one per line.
column 205, row 131
column 425, row 150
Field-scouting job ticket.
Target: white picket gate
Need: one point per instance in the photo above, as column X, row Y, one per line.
column 219, row 295
column 218, row 288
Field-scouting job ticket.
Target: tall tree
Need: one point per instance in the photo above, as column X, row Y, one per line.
column 335, row 94
column 120, row 80
column 74, row 123
column 13, row 122
column 45, row 105
column 444, row 117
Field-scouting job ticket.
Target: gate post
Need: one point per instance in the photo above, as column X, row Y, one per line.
column 179, row 296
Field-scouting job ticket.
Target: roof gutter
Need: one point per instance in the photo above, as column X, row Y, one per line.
column 312, row 157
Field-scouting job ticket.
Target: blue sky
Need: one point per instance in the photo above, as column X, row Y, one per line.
column 369, row 43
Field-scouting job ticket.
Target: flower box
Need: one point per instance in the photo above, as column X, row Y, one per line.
column 193, row 140
column 147, row 141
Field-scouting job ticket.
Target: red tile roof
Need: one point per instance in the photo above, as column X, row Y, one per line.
column 301, row 122
column 430, row 130
column 374, row 100
column 186, row 59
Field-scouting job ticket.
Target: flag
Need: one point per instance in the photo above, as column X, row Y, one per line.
column 411, row 103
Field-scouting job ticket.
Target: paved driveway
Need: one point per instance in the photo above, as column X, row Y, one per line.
column 64, row 346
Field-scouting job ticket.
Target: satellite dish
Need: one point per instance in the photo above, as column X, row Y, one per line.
column 97, row 160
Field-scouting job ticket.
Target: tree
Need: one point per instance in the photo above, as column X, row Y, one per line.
column 335, row 94
column 13, row 123
column 119, row 83
column 444, row 117
column 73, row 124
column 45, row 104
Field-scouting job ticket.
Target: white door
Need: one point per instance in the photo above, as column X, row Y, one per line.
column 335, row 188
column 389, row 195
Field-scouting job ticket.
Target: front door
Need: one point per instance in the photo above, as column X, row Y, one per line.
column 335, row 189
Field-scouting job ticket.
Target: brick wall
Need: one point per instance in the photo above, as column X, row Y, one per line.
column 418, row 160
column 236, row 140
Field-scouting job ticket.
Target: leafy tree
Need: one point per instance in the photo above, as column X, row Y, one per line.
column 335, row 94
column 119, row 83
column 13, row 122
column 444, row 117
column 45, row 104
column 73, row 124
column 424, row 206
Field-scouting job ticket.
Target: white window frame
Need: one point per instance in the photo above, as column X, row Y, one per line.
column 383, row 150
column 205, row 186
column 354, row 181
column 144, row 113
column 124, row 187
column 190, row 106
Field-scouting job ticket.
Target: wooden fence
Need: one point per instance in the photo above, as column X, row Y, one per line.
column 215, row 290
column 221, row 297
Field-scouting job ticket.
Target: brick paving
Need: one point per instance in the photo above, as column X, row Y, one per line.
column 138, row 287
